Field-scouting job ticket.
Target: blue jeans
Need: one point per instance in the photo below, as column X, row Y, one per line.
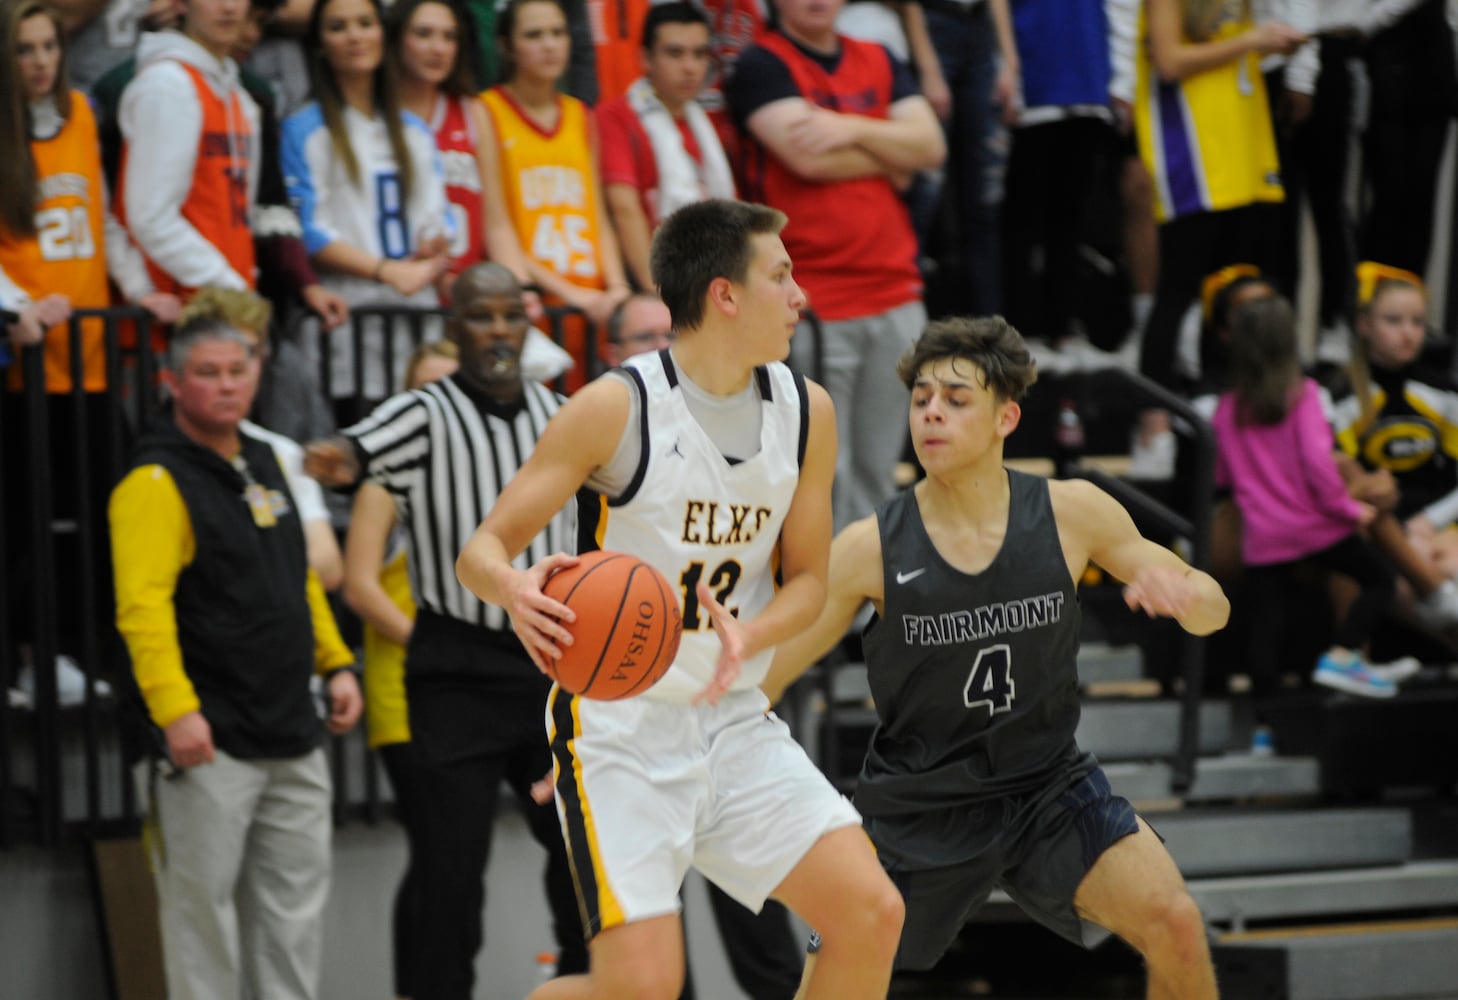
column 977, row 143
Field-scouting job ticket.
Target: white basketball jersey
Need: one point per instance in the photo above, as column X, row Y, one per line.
column 695, row 516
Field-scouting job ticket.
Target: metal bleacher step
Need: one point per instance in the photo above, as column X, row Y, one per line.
column 1105, row 670
column 1144, row 729
column 1410, row 960
column 1232, row 777
column 1414, row 886
column 1214, row 842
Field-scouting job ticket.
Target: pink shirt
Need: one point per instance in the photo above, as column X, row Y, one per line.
column 1285, row 480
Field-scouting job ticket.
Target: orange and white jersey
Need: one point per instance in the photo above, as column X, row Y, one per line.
column 67, row 254
column 551, row 186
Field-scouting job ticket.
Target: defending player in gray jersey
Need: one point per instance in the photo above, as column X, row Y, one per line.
column 973, row 779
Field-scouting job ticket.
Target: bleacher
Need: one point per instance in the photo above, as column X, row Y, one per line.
column 1326, row 868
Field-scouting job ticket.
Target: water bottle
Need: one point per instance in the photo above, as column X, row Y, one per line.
column 1067, row 440
column 1263, row 742
column 546, row 965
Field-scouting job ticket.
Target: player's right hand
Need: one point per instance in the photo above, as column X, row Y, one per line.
column 190, row 741
column 535, row 617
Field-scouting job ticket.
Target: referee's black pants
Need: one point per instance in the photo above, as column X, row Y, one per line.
column 474, row 733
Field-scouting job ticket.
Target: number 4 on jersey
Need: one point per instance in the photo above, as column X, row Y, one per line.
column 990, row 683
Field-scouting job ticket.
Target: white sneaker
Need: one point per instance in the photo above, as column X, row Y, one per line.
column 1439, row 610
column 1397, row 671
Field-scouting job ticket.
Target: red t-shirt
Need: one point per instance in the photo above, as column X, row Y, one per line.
column 627, row 152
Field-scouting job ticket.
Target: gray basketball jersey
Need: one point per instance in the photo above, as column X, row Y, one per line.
column 974, row 675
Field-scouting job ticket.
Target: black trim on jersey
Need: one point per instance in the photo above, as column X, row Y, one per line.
column 668, row 369
column 579, row 845
column 804, row 394
column 640, row 473
column 766, row 389
column 591, row 511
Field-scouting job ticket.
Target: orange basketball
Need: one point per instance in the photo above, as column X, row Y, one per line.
column 627, row 628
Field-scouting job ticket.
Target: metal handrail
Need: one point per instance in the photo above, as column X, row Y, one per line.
column 1195, row 528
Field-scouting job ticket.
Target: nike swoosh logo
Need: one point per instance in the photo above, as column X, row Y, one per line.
column 908, row 577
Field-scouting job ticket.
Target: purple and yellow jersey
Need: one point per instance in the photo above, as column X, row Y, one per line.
column 1206, row 140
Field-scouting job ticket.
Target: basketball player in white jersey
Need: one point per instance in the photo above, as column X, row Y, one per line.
column 714, row 462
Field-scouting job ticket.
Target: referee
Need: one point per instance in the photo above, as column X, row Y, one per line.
column 476, row 700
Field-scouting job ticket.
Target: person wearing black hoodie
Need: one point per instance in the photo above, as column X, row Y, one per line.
column 226, row 624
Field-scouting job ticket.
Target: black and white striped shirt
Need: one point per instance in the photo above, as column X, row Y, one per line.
column 445, row 456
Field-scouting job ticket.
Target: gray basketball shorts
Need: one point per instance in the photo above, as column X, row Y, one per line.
column 1036, row 848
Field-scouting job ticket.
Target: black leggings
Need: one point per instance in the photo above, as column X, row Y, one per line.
column 1267, row 588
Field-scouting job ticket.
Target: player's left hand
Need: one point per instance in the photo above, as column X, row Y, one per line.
column 1161, row 592
column 345, row 702
column 731, row 637
column 541, row 790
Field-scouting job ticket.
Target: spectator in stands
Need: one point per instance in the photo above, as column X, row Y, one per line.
column 974, row 778
column 366, row 180
column 58, row 245
column 1214, row 163
column 979, row 60
column 284, row 271
column 901, row 29
column 1275, row 454
column 760, row 947
column 1136, row 188
column 1058, row 136
column 190, row 162
column 549, row 175
column 639, row 324
column 476, row 699
column 617, row 27
column 226, row 624
column 250, row 314
column 734, row 26
column 103, row 33
column 278, row 57
column 377, row 588
column 58, row 239
column 580, row 80
column 1412, row 100
column 835, row 126
column 1225, row 293
column 436, row 86
column 1313, row 95
column 1397, row 421
column 659, row 149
